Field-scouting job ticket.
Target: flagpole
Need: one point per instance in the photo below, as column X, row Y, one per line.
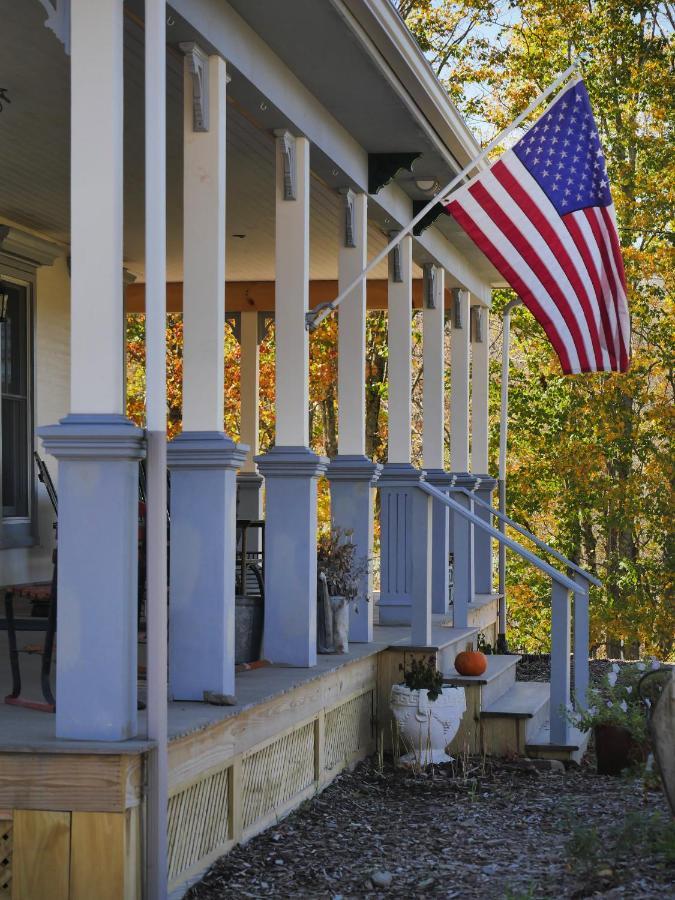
column 315, row 317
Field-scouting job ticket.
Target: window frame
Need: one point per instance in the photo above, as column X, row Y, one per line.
column 22, row 531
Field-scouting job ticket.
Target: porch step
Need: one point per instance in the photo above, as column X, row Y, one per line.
column 497, row 679
column 514, row 718
column 541, row 747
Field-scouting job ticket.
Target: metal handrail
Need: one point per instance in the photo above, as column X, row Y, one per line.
column 528, row 534
column 527, row 555
column 562, row 589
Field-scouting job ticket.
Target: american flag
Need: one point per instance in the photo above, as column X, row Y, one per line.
column 543, row 215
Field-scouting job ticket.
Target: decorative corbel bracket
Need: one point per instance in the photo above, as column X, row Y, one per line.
column 382, row 167
column 233, row 319
column 395, row 260
column 265, row 319
column 477, row 325
column 348, row 195
column 198, row 67
column 430, row 218
column 286, row 143
column 58, row 20
column 429, row 270
column 456, row 309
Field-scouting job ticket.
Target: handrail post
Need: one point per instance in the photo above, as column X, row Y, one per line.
column 581, row 640
column 560, row 662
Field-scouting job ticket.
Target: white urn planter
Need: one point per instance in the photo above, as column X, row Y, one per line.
column 340, row 610
column 426, row 726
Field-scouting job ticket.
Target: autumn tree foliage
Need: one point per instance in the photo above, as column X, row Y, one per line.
column 590, row 457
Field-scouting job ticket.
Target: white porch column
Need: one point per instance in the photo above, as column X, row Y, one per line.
column 202, row 459
column 462, row 533
column 399, row 339
column 249, row 483
column 291, row 469
column 405, row 513
column 351, row 474
column 480, row 387
column 433, row 433
column 97, row 448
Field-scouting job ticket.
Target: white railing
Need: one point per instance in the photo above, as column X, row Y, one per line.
column 562, row 588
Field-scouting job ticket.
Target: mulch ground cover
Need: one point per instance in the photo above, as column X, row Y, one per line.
column 482, row 828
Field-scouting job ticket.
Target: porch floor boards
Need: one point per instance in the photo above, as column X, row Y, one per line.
column 25, row 730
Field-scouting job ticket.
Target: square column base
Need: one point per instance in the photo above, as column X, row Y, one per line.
column 291, row 475
column 203, row 469
column 405, row 551
column 482, row 541
column 351, row 481
column 440, row 543
column 462, row 549
column 96, row 663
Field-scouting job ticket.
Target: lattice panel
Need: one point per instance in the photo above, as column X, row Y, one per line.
column 275, row 774
column 198, row 821
column 349, row 728
column 5, row 859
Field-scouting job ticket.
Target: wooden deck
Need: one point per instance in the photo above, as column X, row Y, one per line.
column 232, row 770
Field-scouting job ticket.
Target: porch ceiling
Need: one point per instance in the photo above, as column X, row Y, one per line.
column 34, row 129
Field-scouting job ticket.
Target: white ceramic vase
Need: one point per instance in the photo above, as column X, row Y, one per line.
column 340, row 608
column 426, row 727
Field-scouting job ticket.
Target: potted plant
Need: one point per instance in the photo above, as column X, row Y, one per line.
column 618, row 718
column 427, row 713
column 343, row 572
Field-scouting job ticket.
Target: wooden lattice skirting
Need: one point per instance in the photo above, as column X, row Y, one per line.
column 255, row 788
column 5, row 858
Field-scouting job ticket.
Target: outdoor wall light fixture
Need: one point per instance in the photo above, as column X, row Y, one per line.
column 4, row 301
column 427, row 185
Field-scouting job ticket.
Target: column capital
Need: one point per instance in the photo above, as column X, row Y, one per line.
column 465, row 480
column 400, row 475
column 205, row 450
column 292, row 462
column 439, row 477
column 347, row 467
column 95, row 437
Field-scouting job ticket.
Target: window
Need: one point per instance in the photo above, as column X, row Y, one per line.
column 16, row 481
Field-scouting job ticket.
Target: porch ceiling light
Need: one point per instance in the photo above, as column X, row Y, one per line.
column 427, row 185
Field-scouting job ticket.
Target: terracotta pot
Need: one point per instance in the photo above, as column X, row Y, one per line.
column 616, row 749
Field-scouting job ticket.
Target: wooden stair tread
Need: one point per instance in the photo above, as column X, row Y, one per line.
column 576, row 740
column 496, row 665
column 523, row 700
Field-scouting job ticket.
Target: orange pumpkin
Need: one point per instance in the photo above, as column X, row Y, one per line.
column 471, row 662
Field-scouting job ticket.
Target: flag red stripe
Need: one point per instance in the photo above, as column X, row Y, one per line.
column 582, row 247
column 535, row 215
column 528, row 253
column 616, row 249
column 604, row 253
column 525, row 294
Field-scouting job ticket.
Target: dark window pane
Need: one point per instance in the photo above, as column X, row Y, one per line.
column 14, row 458
column 14, row 421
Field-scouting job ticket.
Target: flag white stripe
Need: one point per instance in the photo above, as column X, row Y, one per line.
column 602, row 275
column 624, row 317
column 541, row 248
column 530, row 186
column 520, row 266
column 621, row 301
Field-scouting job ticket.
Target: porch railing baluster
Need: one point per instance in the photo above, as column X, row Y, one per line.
column 560, row 661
